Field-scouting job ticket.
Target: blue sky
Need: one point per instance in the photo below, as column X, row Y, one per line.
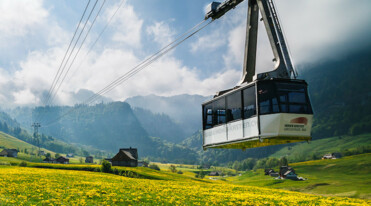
column 35, row 34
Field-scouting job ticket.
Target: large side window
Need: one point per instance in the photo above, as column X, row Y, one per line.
column 208, row 116
column 268, row 102
column 249, row 102
column 234, row 106
column 293, row 98
column 219, row 112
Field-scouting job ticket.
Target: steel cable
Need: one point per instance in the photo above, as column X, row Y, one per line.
column 137, row 68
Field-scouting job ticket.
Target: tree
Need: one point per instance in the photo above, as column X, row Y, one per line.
column 48, row 155
column 154, row 166
column 172, row 168
column 283, row 162
column 272, row 162
column 106, row 166
column 57, row 155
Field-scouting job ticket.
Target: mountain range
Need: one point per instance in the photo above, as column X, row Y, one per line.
column 168, row 128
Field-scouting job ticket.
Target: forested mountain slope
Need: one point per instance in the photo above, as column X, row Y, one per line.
column 340, row 92
column 184, row 109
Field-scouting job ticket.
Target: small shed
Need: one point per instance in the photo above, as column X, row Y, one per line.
column 9, row 153
column 127, row 157
column 335, row 155
column 214, row 173
column 62, row 160
column 89, row 159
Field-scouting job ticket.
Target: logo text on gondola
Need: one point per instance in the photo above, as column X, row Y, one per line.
column 295, row 127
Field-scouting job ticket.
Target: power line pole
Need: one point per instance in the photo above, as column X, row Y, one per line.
column 36, row 126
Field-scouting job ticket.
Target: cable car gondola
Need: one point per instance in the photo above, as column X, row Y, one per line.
column 265, row 109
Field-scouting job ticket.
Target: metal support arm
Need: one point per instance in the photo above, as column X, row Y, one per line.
column 283, row 66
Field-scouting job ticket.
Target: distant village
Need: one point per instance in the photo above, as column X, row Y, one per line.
column 127, row 157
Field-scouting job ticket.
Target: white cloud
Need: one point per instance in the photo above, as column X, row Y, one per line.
column 19, row 17
column 168, row 76
column 207, row 43
column 318, row 30
column 24, row 97
column 127, row 26
column 161, row 33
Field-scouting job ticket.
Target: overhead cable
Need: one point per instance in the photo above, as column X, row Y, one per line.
column 150, row 59
column 69, row 56
column 78, row 51
column 60, row 66
column 138, row 68
column 123, row 2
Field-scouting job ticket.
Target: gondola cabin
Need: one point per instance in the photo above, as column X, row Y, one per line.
column 257, row 114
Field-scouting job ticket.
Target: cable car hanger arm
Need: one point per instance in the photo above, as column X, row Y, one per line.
column 283, row 65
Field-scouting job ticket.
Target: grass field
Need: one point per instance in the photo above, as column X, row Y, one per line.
column 35, row 186
column 347, row 177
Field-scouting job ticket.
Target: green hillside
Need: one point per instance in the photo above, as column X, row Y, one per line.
column 316, row 149
column 347, row 177
column 10, row 142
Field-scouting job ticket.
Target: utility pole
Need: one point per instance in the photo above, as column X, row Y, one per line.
column 36, row 126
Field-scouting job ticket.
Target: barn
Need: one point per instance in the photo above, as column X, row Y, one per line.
column 127, row 157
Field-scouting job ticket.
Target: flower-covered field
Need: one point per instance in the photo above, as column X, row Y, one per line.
column 34, row 186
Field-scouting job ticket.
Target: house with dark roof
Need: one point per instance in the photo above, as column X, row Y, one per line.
column 127, row 157
column 9, row 153
column 89, row 159
column 62, row 160
column 287, row 172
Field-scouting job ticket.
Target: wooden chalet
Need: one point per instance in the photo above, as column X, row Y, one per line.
column 287, row 172
column 62, row 160
column 127, row 157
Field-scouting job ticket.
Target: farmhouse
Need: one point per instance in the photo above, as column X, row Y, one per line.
column 127, row 157
column 62, row 160
column 9, row 153
column 89, row 159
column 287, row 173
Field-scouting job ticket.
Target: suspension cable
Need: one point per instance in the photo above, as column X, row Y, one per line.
column 137, row 68
column 78, row 25
column 123, row 2
column 73, row 60
column 69, row 56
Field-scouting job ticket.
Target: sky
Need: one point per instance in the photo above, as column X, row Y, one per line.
column 35, row 35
